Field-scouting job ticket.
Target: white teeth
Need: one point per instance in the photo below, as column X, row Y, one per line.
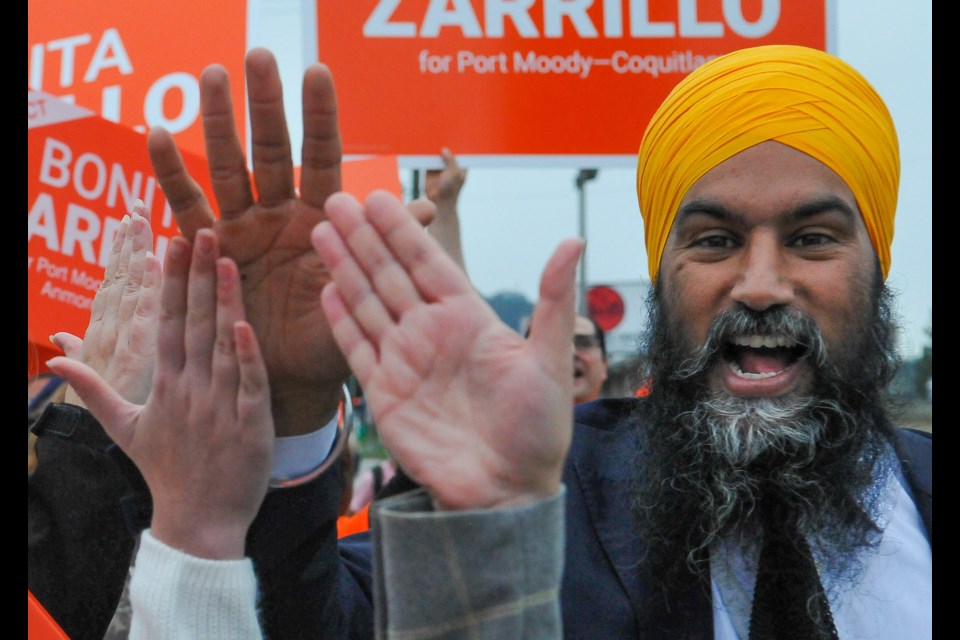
column 770, row 342
column 752, row 376
column 757, row 341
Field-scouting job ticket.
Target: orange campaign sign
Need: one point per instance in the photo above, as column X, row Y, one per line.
column 40, row 624
column 137, row 64
column 550, row 82
column 84, row 174
column 363, row 176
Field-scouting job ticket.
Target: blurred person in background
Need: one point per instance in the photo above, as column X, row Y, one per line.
column 589, row 359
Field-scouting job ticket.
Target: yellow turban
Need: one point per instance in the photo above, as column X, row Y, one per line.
column 802, row 97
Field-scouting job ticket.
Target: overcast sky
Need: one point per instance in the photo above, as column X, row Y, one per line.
column 513, row 219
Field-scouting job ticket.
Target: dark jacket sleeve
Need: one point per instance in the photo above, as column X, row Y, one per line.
column 79, row 548
column 311, row 585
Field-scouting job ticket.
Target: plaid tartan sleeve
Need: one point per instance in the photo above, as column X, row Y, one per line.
column 467, row 574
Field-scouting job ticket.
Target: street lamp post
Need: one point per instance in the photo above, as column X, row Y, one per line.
column 415, row 184
column 583, row 177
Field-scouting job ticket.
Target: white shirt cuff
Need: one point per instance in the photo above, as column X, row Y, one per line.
column 295, row 456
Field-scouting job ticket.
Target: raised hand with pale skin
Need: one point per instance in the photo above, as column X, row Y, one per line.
column 442, row 187
column 120, row 342
column 469, row 408
column 265, row 227
column 203, row 439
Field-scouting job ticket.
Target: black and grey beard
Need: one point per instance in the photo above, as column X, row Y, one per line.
column 706, row 458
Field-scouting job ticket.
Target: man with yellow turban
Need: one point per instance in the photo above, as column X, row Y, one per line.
column 760, row 490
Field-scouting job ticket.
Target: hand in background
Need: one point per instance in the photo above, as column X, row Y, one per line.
column 120, row 342
column 442, row 187
column 467, row 407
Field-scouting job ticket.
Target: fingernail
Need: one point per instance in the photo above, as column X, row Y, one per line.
column 178, row 248
column 203, row 242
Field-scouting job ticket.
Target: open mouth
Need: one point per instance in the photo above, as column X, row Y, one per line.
column 756, row 357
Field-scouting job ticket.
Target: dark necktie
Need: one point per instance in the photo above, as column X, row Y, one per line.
column 787, row 580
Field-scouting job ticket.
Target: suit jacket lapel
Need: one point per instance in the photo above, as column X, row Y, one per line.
column 604, row 471
column 914, row 449
column 606, row 490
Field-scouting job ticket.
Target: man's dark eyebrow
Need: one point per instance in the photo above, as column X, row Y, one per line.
column 704, row 207
column 831, row 203
column 809, row 208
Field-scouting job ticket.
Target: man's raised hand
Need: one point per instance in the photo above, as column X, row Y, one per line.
column 469, row 408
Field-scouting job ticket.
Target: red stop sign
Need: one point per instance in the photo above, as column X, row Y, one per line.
column 606, row 306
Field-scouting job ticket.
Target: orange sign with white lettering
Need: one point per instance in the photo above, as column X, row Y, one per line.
column 532, row 80
column 84, row 174
column 136, row 64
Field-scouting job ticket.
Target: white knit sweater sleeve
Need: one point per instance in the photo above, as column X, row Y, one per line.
column 176, row 596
